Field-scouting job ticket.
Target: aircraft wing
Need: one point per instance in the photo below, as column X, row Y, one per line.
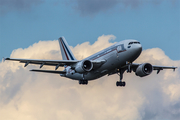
column 57, row 63
column 163, row 67
column 49, row 71
column 155, row 67
column 159, row 68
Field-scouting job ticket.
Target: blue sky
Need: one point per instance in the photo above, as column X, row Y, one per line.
column 155, row 23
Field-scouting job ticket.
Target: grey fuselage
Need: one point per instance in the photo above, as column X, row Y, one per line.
column 114, row 56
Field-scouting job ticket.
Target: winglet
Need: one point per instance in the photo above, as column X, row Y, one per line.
column 3, row 60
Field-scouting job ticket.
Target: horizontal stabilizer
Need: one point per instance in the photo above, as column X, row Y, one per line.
column 49, row 71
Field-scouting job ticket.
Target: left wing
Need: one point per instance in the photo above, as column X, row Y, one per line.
column 57, row 63
column 155, row 67
column 159, row 68
column 146, row 70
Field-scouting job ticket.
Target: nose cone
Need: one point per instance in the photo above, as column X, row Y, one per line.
column 135, row 52
column 138, row 49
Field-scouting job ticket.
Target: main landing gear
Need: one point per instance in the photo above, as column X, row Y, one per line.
column 83, row 82
column 121, row 83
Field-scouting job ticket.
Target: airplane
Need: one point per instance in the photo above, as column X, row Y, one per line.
column 115, row 59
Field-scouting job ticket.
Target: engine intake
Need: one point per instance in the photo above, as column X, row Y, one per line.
column 144, row 69
column 84, row 66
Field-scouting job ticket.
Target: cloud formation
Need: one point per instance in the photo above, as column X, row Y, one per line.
column 19, row 5
column 34, row 96
column 92, row 7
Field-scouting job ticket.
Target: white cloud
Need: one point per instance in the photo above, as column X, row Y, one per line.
column 34, row 96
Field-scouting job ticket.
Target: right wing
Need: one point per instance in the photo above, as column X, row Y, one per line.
column 57, row 63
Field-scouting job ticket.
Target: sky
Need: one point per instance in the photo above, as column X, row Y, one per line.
column 155, row 23
column 30, row 29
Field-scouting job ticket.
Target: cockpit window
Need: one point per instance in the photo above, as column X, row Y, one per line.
column 134, row 43
column 130, row 43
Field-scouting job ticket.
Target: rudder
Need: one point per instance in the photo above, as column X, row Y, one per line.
column 65, row 50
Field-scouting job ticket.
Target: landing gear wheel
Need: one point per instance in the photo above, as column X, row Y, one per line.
column 83, row 82
column 119, row 83
column 123, row 84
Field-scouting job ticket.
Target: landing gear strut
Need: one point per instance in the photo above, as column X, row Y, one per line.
column 120, row 83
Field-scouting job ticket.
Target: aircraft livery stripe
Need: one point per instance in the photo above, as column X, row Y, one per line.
column 104, row 52
column 64, row 50
column 68, row 51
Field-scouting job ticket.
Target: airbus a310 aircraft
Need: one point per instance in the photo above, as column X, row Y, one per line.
column 115, row 59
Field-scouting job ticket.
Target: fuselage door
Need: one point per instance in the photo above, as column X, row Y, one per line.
column 120, row 48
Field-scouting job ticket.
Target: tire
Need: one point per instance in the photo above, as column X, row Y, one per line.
column 117, row 83
column 83, row 82
column 123, row 84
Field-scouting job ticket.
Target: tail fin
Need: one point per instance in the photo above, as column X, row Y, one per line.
column 65, row 50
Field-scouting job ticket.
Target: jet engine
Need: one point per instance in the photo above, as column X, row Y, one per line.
column 144, row 69
column 84, row 66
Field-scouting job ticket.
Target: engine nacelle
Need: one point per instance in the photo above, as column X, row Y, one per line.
column 144, row 69
column 84, row 66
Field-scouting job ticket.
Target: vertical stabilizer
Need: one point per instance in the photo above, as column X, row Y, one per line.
column 65, row 50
